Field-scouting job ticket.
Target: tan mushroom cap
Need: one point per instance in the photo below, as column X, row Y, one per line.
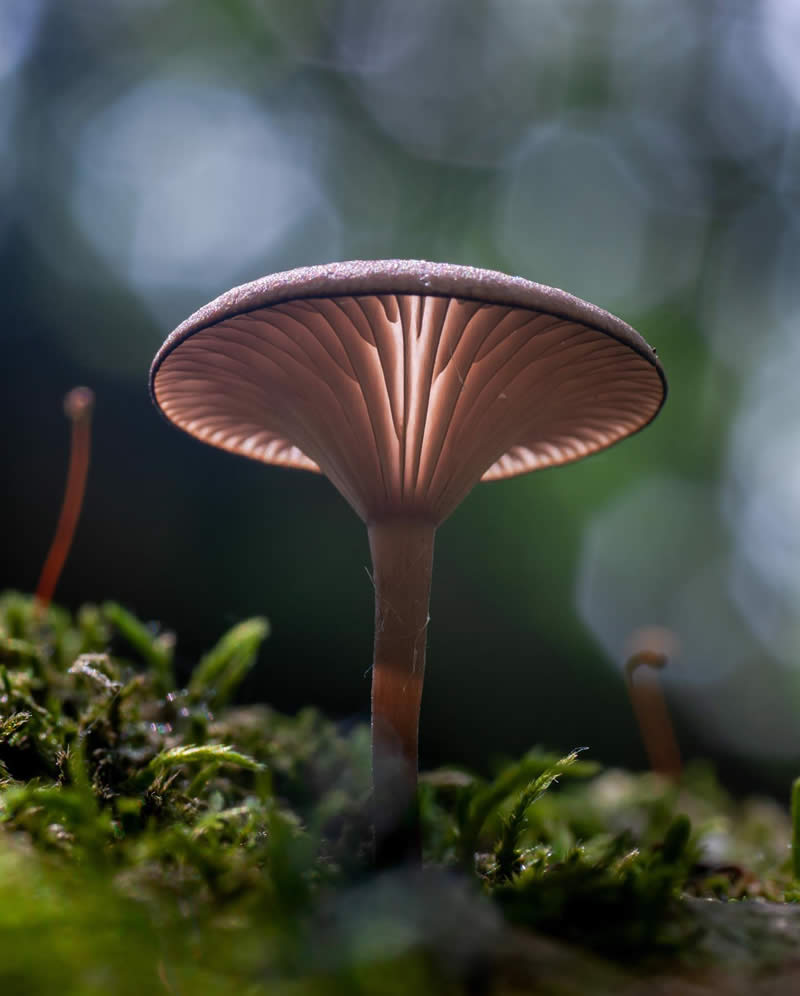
column 406, row 382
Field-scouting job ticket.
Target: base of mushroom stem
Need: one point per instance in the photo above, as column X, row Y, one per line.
column 395, row 806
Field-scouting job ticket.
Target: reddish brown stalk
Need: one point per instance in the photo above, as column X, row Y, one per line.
column 652, row 714
column 78, row 405
column 402, row 559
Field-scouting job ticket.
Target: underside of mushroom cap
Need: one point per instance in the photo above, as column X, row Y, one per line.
column 406, row 382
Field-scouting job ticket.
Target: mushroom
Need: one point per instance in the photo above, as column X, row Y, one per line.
column 405, row 383
column 649, row 650
column 78, row 405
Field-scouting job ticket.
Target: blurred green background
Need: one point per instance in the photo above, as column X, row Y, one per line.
column 643, row 154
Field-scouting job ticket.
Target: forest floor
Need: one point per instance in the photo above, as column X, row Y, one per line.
column 156, row 838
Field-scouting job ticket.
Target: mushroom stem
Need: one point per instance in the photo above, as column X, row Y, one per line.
column 402, row 561
column 78, row 408
column 652, row 714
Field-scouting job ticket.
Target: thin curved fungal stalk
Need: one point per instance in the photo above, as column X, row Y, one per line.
column 652, row 713
column 405, row 383
column 78, row 405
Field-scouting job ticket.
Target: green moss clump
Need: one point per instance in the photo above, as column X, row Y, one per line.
column 158, row 838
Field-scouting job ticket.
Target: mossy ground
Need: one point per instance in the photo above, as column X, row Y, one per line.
column 156, row 838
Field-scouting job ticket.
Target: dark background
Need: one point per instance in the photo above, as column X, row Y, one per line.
column 641, row 154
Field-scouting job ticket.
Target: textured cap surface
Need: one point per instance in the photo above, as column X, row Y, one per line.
column 405, row 382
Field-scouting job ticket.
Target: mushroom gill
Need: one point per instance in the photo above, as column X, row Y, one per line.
column 405, row 401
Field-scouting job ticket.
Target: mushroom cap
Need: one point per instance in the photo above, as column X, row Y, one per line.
column 406, row 382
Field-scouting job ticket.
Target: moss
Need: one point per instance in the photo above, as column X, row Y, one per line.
column 154, row 838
